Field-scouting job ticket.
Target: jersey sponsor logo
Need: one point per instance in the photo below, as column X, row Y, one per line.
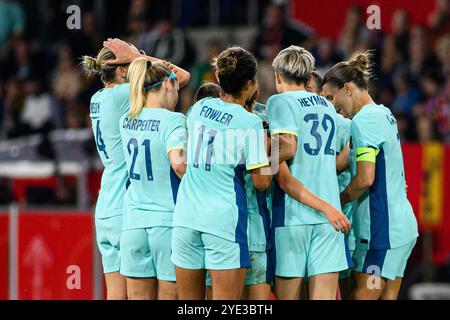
column 95, row 108
column 312, row 101
column 141, row 125
column 216, row 115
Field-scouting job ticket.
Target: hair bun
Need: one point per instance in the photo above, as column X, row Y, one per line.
column 91, row 65
column 362, row 62
column 226, row 65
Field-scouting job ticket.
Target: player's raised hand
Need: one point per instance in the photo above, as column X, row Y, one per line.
column 338, row 220
column 124, row 52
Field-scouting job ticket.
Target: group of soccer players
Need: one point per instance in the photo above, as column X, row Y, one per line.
column 239, row 198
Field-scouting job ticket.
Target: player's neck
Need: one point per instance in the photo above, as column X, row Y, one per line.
column 293, row 87
column 362, row 100
column 153, row 102
column 231, row 99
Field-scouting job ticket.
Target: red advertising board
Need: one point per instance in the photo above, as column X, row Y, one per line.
column 4, row 234
column 55, row 256
column 328, row 17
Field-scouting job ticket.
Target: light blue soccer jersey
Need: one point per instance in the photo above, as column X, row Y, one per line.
column 343, row 129
column 258, row 205
column 383, row 217
column 147, row 141
column 107, row 107
column 224, row 141
column 258, row 216
column 312, row 119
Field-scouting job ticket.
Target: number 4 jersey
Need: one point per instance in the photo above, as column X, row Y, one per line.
column 311, row 119
column 224, row 141
column 147, row 141
column 107, row 106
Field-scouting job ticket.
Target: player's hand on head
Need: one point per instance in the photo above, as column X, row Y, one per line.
column 124, row 52
column 171, row 66
column 338, row 220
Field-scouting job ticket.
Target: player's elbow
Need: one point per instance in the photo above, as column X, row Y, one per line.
column 179, row 169
column 185, row 80
column 366, row 181
column 261, row 182
column 291, row 151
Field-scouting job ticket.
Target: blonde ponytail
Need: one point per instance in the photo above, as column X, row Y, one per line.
column 90, row 66
column 137, row 73
column 143, row 74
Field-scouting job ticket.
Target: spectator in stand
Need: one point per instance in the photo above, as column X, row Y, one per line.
column 138, row 20
column 39, row 106
column 23, row 64
column 443, row 52
column 168, row 43
column 353, row 33
column 13, row 105
column 88, row 39
column 419, row 54
column 277, row 30
column 67, row 79
column 400, row 25
column 12, row 24
column 426, row 129
column 2, row 109
column 203, row 71
column 390, row 61
column 439, row 20
column 325, row 55
column 436, row 103
column 407, row 94
column 265, row 76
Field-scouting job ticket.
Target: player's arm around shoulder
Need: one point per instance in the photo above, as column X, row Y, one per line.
column 256, row 150
column 283, row 128
column 366, row 142
column 176, row 143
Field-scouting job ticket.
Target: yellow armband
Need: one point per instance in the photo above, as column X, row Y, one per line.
column 368, row 154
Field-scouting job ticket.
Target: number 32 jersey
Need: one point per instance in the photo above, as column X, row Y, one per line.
column 107, row 106
column 312, row 119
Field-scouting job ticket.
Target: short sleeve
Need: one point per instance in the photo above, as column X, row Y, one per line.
column 255, row 146
column 176, row 133
column 122, row 97
column 366, row 138
column 366, row 132
column 280, row 116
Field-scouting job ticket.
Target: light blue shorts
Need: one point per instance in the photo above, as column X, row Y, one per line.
column 389, row 263
column 108, row 241
column 196, row 250
column 310, row 250
column 146, row 253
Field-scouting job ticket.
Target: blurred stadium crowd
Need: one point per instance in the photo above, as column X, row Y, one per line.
column 42, row 87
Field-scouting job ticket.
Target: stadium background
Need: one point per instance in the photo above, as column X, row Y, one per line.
column 49, row 169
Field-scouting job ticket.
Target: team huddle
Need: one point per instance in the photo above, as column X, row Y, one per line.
column 304, row 197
